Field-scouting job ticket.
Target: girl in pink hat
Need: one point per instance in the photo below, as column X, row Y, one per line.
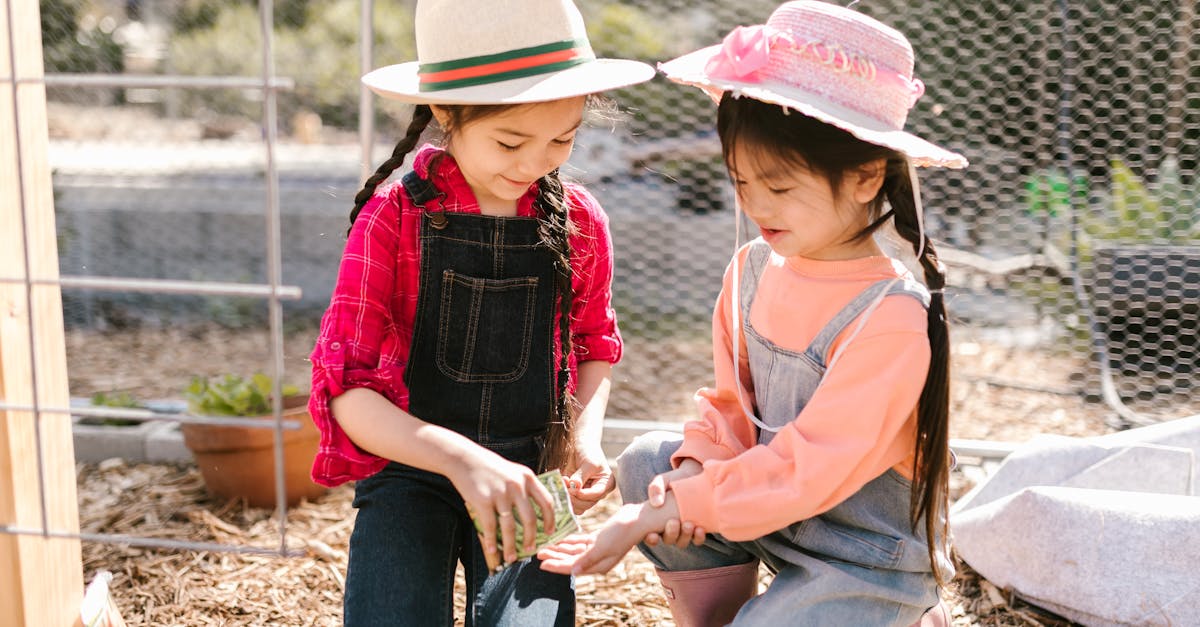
column 822, row 450
column 470, row 336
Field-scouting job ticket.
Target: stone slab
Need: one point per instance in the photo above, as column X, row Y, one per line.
column 1102, row 530
column 1098, row 557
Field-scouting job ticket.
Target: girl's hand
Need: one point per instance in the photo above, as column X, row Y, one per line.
column 493, row 488
column 676, row 534
column 657, row 490
column 596, row 553
column 562, row 556
column 591, row 481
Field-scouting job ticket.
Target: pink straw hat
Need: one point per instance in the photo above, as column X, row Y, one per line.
column 827, row 62
column 489, row 52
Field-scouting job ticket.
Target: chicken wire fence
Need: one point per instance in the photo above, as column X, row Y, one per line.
column 1075, row 232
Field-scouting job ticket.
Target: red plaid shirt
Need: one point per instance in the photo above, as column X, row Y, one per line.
column 367, row 331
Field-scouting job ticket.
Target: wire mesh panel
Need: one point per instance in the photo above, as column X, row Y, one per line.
column 127, row 176
column 1072, row 241
column 1079, row 119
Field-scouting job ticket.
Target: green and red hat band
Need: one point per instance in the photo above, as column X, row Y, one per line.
column 504, row 66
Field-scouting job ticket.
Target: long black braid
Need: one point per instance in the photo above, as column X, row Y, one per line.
column 421, row 117
column 554, row 227
column 930, row 487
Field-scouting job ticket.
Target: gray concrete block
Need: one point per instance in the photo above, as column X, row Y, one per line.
column 1182, row 433
column 1139, row 468
column 96, row 443
column 164, row 443
column 1132, row 462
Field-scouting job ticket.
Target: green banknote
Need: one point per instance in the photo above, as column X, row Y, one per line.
column 565, row 522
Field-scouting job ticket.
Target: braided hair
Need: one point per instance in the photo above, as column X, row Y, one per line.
column 930, row 488
column 554, row 230
column 802, row 141
column 422, row 115
column 930, row 485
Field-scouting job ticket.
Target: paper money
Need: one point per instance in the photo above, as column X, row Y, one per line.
column 565, row 522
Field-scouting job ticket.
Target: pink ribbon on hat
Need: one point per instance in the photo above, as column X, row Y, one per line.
column 745, row 51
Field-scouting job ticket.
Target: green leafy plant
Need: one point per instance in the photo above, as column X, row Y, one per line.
column 70, row 46
column 232, row 395
column 626, row 31
column 116, row 399
column 1050, row 191
column 1167, row 211
column 1131, row 211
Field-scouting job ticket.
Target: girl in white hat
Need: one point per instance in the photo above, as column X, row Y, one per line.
column 822, row 451
column 470, row 336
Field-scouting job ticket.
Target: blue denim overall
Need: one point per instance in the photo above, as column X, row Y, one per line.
column 859, row 563
column 479, row 365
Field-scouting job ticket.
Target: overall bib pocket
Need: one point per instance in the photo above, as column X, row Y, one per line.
column 480, row 323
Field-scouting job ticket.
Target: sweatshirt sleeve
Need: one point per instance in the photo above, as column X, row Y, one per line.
column 859, row 423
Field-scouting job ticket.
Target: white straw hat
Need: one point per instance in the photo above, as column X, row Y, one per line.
column 500, row 52
column 827, row 62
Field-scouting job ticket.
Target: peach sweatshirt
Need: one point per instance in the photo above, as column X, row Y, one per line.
column 860, row 422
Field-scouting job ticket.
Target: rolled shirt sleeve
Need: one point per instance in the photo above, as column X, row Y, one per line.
column 594, row 331
column 353, row 330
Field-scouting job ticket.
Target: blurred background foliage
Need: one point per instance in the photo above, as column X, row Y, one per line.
column 76, row 42
column 316, row 44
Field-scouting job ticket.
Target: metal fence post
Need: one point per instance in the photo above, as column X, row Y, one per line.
column 366, row 110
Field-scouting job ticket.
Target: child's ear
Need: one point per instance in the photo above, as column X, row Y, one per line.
column 441, row 115
column 867, row 179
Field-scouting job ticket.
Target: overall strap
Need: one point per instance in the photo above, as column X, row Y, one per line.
column 756, row 260
column 818, row 350
column 420, row 191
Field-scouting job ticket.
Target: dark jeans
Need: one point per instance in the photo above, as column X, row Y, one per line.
column 411, row 532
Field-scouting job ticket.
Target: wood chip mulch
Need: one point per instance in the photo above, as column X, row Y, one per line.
column 1004, row 393
column 161, row 586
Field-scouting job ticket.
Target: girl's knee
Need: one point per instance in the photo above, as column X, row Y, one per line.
column 647, row 456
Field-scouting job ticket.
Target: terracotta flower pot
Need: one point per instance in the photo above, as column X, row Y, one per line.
column 239, row 462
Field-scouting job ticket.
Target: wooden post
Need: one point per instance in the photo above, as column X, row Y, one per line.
column 41, row 578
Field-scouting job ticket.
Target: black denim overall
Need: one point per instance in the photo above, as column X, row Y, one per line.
column 480, row 364
column 485, row 321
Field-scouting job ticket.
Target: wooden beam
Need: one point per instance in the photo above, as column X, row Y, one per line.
column 41, row 578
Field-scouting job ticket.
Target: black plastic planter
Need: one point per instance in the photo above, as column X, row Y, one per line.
column 1147, row 304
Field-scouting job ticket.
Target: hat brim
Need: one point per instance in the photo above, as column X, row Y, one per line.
column 401, row 82
column 689, row 70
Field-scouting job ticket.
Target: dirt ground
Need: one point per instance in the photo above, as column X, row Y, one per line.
column 999, row 393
